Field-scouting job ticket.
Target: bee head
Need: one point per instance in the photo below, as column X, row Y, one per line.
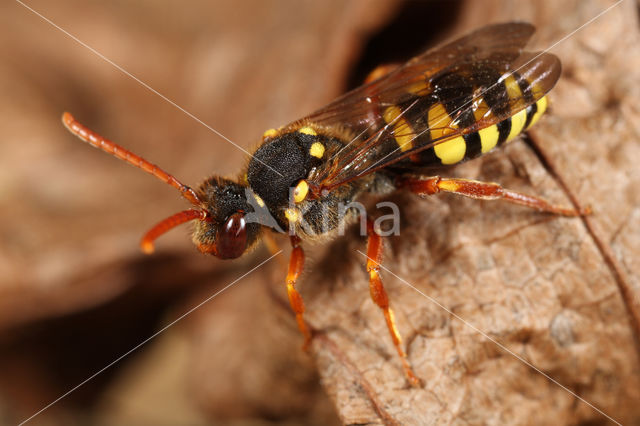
column 224, row 231
column 221, row 227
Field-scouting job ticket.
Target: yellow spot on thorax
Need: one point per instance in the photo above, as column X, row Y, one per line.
column 402, row 131
column 269, row 134
column 316, row 150
column 300, row 191
column 307, row 131
column 292, row 214
column 440, row 125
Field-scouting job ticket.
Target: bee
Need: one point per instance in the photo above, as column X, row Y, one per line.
column 400, row 130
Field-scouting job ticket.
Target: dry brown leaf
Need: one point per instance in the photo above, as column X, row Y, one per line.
column 561, row 294
column 75, row 293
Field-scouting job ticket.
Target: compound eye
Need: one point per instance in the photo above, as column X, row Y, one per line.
column 232, row 237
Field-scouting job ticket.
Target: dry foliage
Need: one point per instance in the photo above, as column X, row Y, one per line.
column 75, row 293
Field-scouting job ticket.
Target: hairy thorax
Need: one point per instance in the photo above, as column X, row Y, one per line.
column 277, row 175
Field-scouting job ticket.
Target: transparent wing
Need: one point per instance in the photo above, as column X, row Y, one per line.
column 387, row 117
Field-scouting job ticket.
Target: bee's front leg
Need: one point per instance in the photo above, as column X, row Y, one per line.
column 296, row 264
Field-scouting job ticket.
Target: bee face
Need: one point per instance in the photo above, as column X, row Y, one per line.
column 225, row 232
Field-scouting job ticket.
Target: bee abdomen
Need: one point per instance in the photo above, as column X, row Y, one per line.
column 490, row 96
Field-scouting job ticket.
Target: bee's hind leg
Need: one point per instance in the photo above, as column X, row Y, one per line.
column 482, row 191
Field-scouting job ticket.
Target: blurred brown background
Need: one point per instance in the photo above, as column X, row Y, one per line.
column 76, row 294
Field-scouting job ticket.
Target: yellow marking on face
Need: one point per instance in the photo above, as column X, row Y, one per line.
column 517, row 124
column 269, row 133
column 403, row 134
column 307, row 131
column 292, row 214
column 542, row 107
column 316, row 150
column 300, row 191
column 440, row 125
column 447, row 185
column 489, row 138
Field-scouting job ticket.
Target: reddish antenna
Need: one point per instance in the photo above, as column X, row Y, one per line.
column 171, row 222
column 116, row 150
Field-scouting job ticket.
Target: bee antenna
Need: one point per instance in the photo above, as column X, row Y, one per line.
column 97, row 141
column 169, row 223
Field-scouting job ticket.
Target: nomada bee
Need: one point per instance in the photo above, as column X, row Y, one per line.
column 398, row 131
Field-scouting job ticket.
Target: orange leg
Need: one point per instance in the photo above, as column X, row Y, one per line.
column 296, row 263
column 379, row 296
column 272, row 245
column 482, row 191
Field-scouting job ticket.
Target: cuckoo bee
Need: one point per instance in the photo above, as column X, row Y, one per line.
column 400, row 130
